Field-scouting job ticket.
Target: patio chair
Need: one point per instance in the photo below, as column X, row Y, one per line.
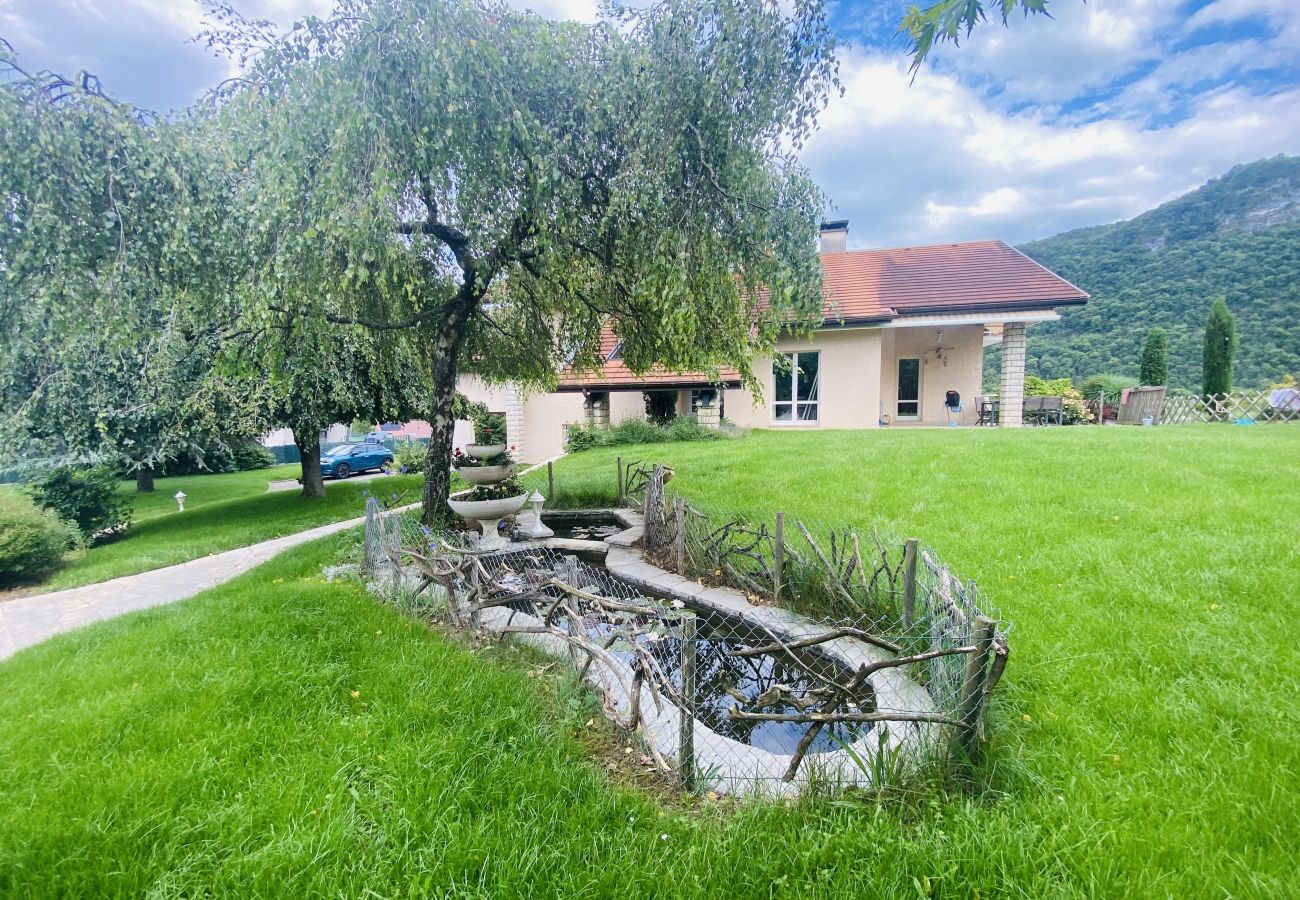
column 1032, row 411
column 954, row 407
column 986, row 409
column 1053, row 411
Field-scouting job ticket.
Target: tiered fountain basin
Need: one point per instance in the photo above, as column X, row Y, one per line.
column 487, row 513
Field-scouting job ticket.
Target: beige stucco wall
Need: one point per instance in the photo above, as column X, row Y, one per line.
column 545, row 416
column 624, row 405
column 848, row 388
column 953, row 363
column 476, row 390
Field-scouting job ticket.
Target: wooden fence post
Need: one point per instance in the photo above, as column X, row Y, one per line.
column 778, row 557
column 686, row 720
column 619, row 463
column 679, row 539
column 550, row 481
column 909, row 582
column 971, row 707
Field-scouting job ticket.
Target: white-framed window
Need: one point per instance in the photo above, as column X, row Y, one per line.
column 796, row 387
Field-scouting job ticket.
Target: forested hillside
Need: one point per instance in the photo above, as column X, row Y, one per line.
column 1238, row 236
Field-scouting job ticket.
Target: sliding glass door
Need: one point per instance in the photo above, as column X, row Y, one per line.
column 909, row 389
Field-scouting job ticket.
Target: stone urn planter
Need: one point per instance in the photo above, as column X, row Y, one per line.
column 486, row 474
column 484, row 451
column 488, row 513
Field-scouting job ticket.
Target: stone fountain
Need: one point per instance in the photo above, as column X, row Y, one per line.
column 487, row 513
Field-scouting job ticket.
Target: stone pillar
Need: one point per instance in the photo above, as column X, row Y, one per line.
column 597, row 408
column 1012, row 394
column 515, row 420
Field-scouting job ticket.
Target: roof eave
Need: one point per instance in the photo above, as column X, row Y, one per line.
column 574, row 387
column 993, row 308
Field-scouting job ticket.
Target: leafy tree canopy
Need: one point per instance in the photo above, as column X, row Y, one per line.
column 112, row 231
column 509, row 186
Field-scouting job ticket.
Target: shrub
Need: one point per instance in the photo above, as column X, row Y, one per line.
column 660, row 406
column 1043, row 387
column 408, row 456
column 32, row 540
column 1075, row 410
column 1155, row 358
column 86, row 499
column 639, row 431
column 489, row 427
column 232, row 455
column 249, row 455
column 1108, row 386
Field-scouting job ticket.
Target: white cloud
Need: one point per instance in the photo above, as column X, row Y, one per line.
column 579, row 10
column 1084, row 47
column 1281, row 14
column 939, row 161
column 992, row 139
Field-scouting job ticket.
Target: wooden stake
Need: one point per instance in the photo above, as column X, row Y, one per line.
column 971, row 707
column 619, row 462
column 550, row 481
column 679, row 540
column 778, row 557
column 909, row 583
column 686, row 720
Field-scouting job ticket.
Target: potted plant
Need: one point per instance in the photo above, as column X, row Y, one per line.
column 483, row 470
column 488, row 504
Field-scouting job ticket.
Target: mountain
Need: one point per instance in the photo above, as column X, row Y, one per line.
column 1238, row 235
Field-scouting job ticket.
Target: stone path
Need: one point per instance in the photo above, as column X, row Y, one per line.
column 30, row 620
column 293, row 484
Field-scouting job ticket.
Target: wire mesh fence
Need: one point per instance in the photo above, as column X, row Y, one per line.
column 876, row 665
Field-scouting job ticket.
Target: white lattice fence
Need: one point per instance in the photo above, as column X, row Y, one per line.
column 1258, row 406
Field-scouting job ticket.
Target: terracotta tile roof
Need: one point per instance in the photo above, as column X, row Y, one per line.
column 615, row 375
column 881, row 285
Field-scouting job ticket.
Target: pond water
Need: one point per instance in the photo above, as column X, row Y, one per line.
column 722, row 681
column 583, row 526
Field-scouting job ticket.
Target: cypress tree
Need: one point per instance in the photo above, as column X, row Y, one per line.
column 1155, row 358
column 1220, row 348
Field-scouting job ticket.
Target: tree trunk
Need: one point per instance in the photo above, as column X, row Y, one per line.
column 144, row 480
column 442, row 431
column 442, row 416
column 313, row 483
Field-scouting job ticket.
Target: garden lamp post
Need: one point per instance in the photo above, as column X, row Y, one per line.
column 180, row 501
column 538, row 530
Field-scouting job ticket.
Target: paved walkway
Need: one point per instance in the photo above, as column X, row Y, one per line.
column 31, row 620
column 293, row 484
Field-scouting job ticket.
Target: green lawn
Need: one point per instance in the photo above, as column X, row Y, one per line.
column 1146, row 737
column 221, row 512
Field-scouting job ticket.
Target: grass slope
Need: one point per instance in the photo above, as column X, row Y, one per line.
column 221, row 512
column 216, row 748
column 1145, row 740
column 1149, row 728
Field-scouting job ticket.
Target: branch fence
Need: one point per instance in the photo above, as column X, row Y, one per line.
column 854, row 661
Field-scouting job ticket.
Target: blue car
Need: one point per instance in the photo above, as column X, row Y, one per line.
column 349, row 459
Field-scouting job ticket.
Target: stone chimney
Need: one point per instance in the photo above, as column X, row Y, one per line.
column 834, row 237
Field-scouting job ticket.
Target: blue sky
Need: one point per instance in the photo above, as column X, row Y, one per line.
column 1097, row 114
